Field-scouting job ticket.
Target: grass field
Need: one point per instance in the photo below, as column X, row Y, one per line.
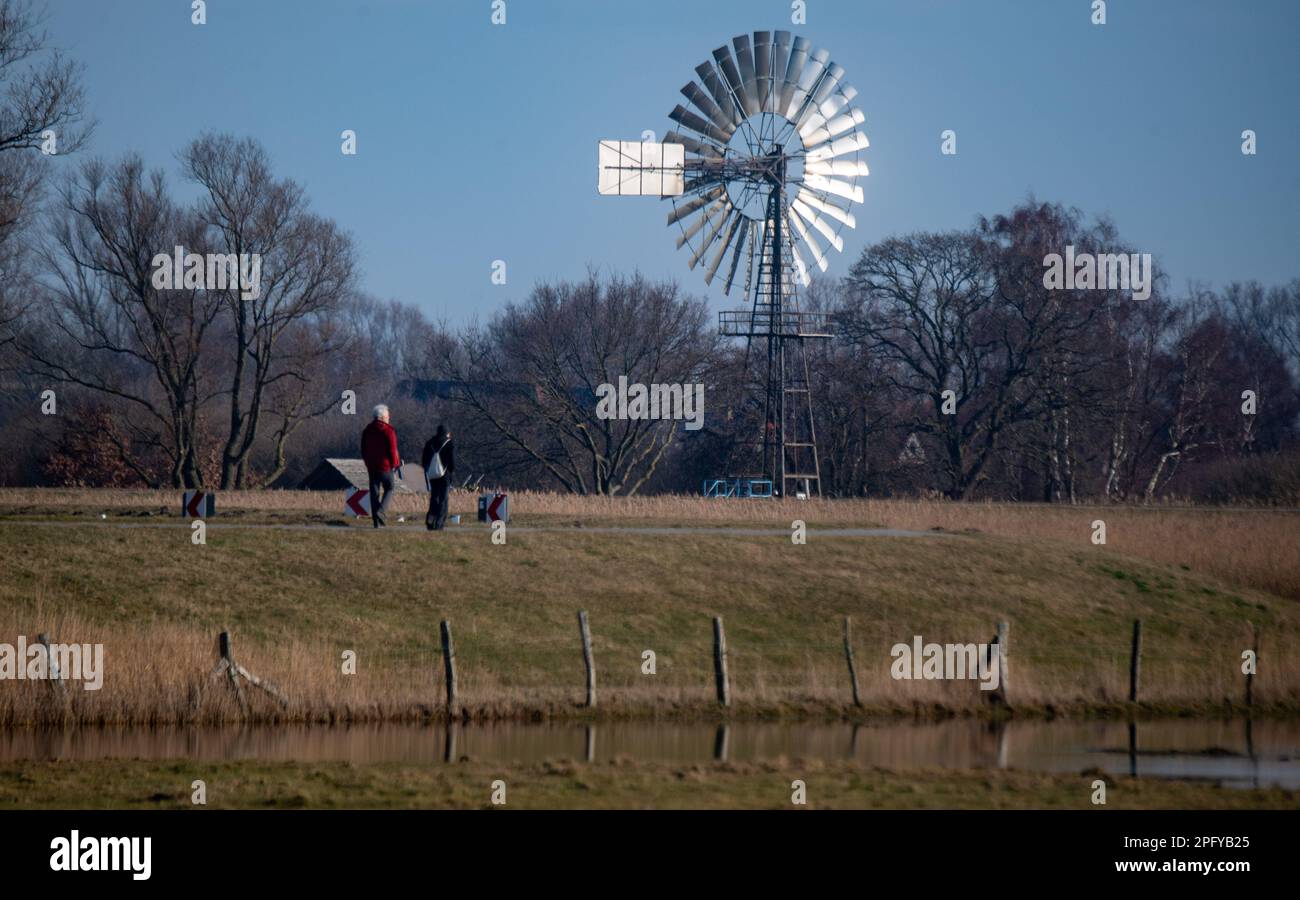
column 562, row 784
column 295, row 599
column 1249, row 548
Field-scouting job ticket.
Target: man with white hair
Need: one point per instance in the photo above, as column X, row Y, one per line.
column 379, row 450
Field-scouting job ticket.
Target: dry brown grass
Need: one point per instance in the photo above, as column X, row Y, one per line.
column 161, row 673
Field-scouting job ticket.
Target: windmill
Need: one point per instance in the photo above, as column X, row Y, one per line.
column 766, row 161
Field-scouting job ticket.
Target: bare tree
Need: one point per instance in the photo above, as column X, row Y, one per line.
column 925, row 305
column 1271, row 313
column 1060, row 336
column 1134, row 370
column 103, row 325
column 991, row 364
column 307, row 266
column 534, row 372
column 403, row 345
column 41, row 108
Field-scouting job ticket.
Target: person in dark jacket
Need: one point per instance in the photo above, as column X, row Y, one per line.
column 379, row 450
column 440, row 486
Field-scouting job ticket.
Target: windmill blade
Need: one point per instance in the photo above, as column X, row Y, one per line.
column 727, row 66
column 800, row 267
column 848, row 144
column 847, row 91
column 699, row 223
column 755, row 241
column 687, row 119
column 780, row 59
column 813, row 125
column 818, row 256
column 836, row 101
column 724, row 246
column 735, row 256
column 694, row 93
column 712, row 234
column 717, row 89
column 695, row 203
column 829, row 82
column 812, row 73
column 832, row 186
column 804, row 212
column 849, row 168
column 830, row 209
column 700, row 148
column 819, row 93
column 745, row 60
column 793, row 72
column 763, row 67
column 813, row 136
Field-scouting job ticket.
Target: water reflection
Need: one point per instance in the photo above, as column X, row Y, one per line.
column 1235, row 752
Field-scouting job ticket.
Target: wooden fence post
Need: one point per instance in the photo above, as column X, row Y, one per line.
column 237, row 674
column 1135, row 662
column 449, row 666
column 227, row 662
column 585, row 630
column 848, row 654
column 720, row 662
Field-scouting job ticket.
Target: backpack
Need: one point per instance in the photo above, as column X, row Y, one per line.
column 436, row 468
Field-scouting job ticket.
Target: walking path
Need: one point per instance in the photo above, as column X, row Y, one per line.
column 514, row 529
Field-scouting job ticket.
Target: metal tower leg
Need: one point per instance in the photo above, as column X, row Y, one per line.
column 803, row 471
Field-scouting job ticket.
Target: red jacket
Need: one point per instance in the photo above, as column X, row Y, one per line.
column 379, row 447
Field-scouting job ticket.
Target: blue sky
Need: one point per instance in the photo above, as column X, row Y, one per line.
column 478, row 142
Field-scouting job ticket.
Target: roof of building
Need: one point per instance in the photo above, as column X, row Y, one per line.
column 340, row 474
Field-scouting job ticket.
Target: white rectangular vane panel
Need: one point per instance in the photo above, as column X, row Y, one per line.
column 642, row 168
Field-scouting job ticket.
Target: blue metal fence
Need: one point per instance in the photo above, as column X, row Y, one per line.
column 749, row 488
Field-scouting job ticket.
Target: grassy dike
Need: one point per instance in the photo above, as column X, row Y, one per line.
column 295, row 600
column 137, row 784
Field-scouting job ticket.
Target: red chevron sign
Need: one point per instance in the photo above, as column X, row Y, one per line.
column 198, row 504
column 495, row 508
column 357, row 502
